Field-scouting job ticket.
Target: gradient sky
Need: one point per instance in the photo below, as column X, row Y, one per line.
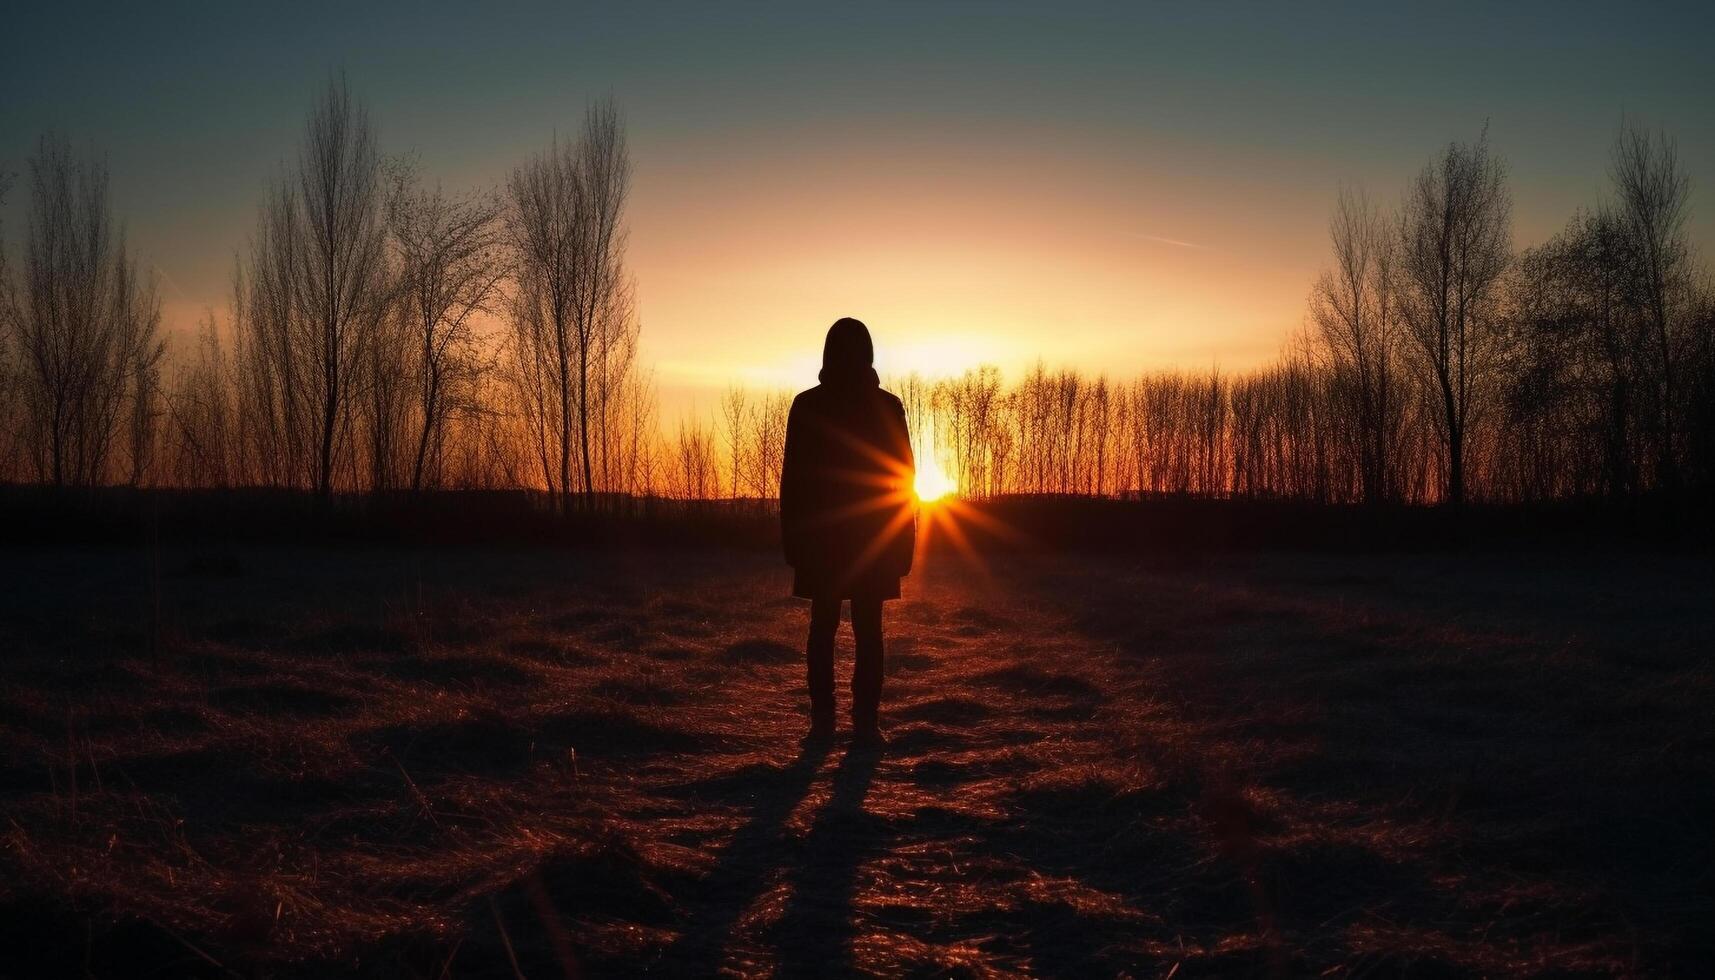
column 1107, row 186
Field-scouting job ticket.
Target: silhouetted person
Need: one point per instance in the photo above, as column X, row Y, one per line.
column 847, row 518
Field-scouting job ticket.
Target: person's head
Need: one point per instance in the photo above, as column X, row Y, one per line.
column 848, row 353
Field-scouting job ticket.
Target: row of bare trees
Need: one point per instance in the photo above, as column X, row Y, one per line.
column 1582, row 366
column 80, row 351
column 385, row 334
column 1436, row 366
column 389, row 335
column 368, row 353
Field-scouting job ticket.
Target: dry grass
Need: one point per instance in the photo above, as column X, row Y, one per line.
column 461, row 763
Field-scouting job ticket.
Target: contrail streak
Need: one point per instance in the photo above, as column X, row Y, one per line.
column 1165, row 241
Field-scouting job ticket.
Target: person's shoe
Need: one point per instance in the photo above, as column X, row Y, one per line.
column 868, row 738
column 821, row 730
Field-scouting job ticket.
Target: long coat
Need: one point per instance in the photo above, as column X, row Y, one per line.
column 847, row 514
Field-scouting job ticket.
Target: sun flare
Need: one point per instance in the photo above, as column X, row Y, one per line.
column 931, row 484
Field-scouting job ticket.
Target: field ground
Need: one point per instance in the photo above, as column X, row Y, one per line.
column 279, row 762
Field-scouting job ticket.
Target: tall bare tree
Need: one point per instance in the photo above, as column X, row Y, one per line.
column 733, row 418
column 340, row 285
column 1455, row 241
column 11, row 436
column 86, row 324
column 605, row 310
column 613, row 374
column 383, row 406
column 1654, row 200
column 565, row 225
column 1579, row 355
column 311, row 295
column 767, row 452
column 696, row 472
column 271, row 350
column 450, row 263
column 1356, row 315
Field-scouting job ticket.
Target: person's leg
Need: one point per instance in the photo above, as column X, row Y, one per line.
column 819, row 655
column 866, row 673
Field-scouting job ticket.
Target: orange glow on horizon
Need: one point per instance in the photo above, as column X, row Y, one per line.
column 744, row 257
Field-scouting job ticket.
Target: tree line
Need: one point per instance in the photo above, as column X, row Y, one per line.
column 1436, row 365
column 387, row 335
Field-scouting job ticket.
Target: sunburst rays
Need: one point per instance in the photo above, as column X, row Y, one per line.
column 926, row 494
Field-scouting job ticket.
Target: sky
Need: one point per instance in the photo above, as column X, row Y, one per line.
column 1114, row 187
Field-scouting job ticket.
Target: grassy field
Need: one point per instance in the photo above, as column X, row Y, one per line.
column 462, row 763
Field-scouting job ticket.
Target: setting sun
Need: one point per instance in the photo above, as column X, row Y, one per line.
column 931, row 484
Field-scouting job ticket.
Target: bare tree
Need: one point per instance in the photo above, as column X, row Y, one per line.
column 1454, row 233
column 733, row 417
column 966, row 413
column 272, row 350
column 384, row 390
column 449, row 259
column 202, row 414
column 143, row 418
column 86, row 324
column 612, row 390
column 605, row 307
column 767, row 453
column 1654, row 198
column 11, row 436
column 1579, row 354
column 565, row 224
column 1355, row 310
column 696, row 473
column 310, row 297
column 339, row 284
